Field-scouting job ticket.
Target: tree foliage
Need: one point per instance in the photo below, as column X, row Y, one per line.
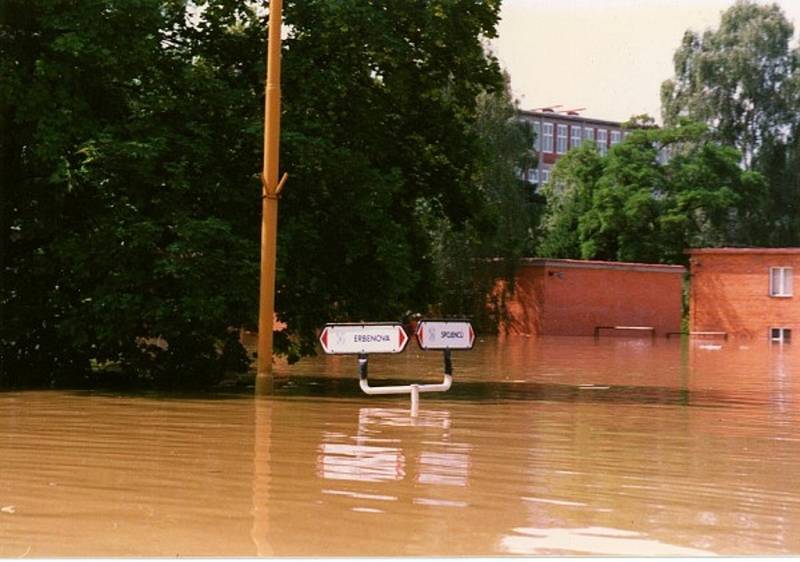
column 743, row 80
column 467, row 261
column 569, row 195
column 637, row 205
column 131, row 149
column 380, row 102
column 129, row 231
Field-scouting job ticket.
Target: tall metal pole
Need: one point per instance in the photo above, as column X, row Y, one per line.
column 270, row 190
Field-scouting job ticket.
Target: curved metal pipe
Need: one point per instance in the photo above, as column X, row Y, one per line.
column 444, row 386
column 412, row 389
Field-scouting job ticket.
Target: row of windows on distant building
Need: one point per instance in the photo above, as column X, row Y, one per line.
column 534, row 176
column 556, row 138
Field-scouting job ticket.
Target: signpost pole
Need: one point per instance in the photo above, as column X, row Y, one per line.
column 448, row 363
column 270, row 190
column 362, row 339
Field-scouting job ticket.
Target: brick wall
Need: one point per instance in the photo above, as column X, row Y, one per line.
column 572, row 297
column 730, row 291
column 524, row 308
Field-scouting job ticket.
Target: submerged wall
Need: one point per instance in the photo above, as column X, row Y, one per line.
column 572, row 297
column 730, row 291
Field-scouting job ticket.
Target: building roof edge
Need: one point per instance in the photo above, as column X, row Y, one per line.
column 567, row 117
column 595, row 264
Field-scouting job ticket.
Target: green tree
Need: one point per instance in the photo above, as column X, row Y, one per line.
column 743, row 80
column 569, row 195
column 468, row 260
column 129, row 240
column 379, row 137
column 637, row 205
column 130, row 155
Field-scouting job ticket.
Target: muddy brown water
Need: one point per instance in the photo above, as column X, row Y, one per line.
column 542, row 446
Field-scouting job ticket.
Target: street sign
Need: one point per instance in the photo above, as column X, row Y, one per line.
column 363, row 338
column 445, row 334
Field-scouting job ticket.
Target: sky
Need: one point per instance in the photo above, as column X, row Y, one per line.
column 608, row 56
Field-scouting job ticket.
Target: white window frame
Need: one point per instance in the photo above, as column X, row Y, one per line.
column 781, row 282
column 616, row 137
column 547, row 137
column 537, row 131
column 602, row 141
column 588, row 133
column 545, row 175
column 780, row 334
column 575, row 136
column 562, row 139
column 533, row 176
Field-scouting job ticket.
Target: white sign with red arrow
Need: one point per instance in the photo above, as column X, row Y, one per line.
column 445, row 334
column 363, row 338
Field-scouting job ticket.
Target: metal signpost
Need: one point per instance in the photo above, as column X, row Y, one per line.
column 342, row 339
column 445, row 334
column 362, row 339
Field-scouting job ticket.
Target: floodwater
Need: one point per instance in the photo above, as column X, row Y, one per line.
column 543, row 446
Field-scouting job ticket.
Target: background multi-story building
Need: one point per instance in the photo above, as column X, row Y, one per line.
column 558, row 131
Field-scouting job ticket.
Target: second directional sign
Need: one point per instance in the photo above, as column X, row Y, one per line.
column 445, row 334
column 363, row 338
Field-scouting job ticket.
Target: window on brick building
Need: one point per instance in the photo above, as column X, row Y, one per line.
column 616, row 137
column 533, row 176
column 547, row 137
column 588, row 133
column 575, row 134
column 780, row 282
column 602, row 141
column 545, row 176
column 537, row 131
column 780, row 335
column 561, row 140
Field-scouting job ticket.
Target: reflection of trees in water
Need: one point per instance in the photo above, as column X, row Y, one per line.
column 487, row 391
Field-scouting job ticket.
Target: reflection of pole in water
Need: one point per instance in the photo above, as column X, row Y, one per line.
column 262, row 475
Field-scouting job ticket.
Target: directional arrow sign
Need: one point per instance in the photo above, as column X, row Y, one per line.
column 363, row 338
column 445, row 334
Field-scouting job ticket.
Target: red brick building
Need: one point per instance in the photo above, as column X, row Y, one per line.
column 558, row 132
column 745, row 292
column 573, row 297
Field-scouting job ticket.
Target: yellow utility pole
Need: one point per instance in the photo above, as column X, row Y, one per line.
column 271, row 189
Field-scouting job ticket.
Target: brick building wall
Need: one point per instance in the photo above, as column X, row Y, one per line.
column 730, row 291
column 572, row 297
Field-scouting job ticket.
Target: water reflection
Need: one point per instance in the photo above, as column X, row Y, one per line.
column 366, row 463
column 542, row 447
column 590, row 540
column 262, row 472
column 371, row 458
